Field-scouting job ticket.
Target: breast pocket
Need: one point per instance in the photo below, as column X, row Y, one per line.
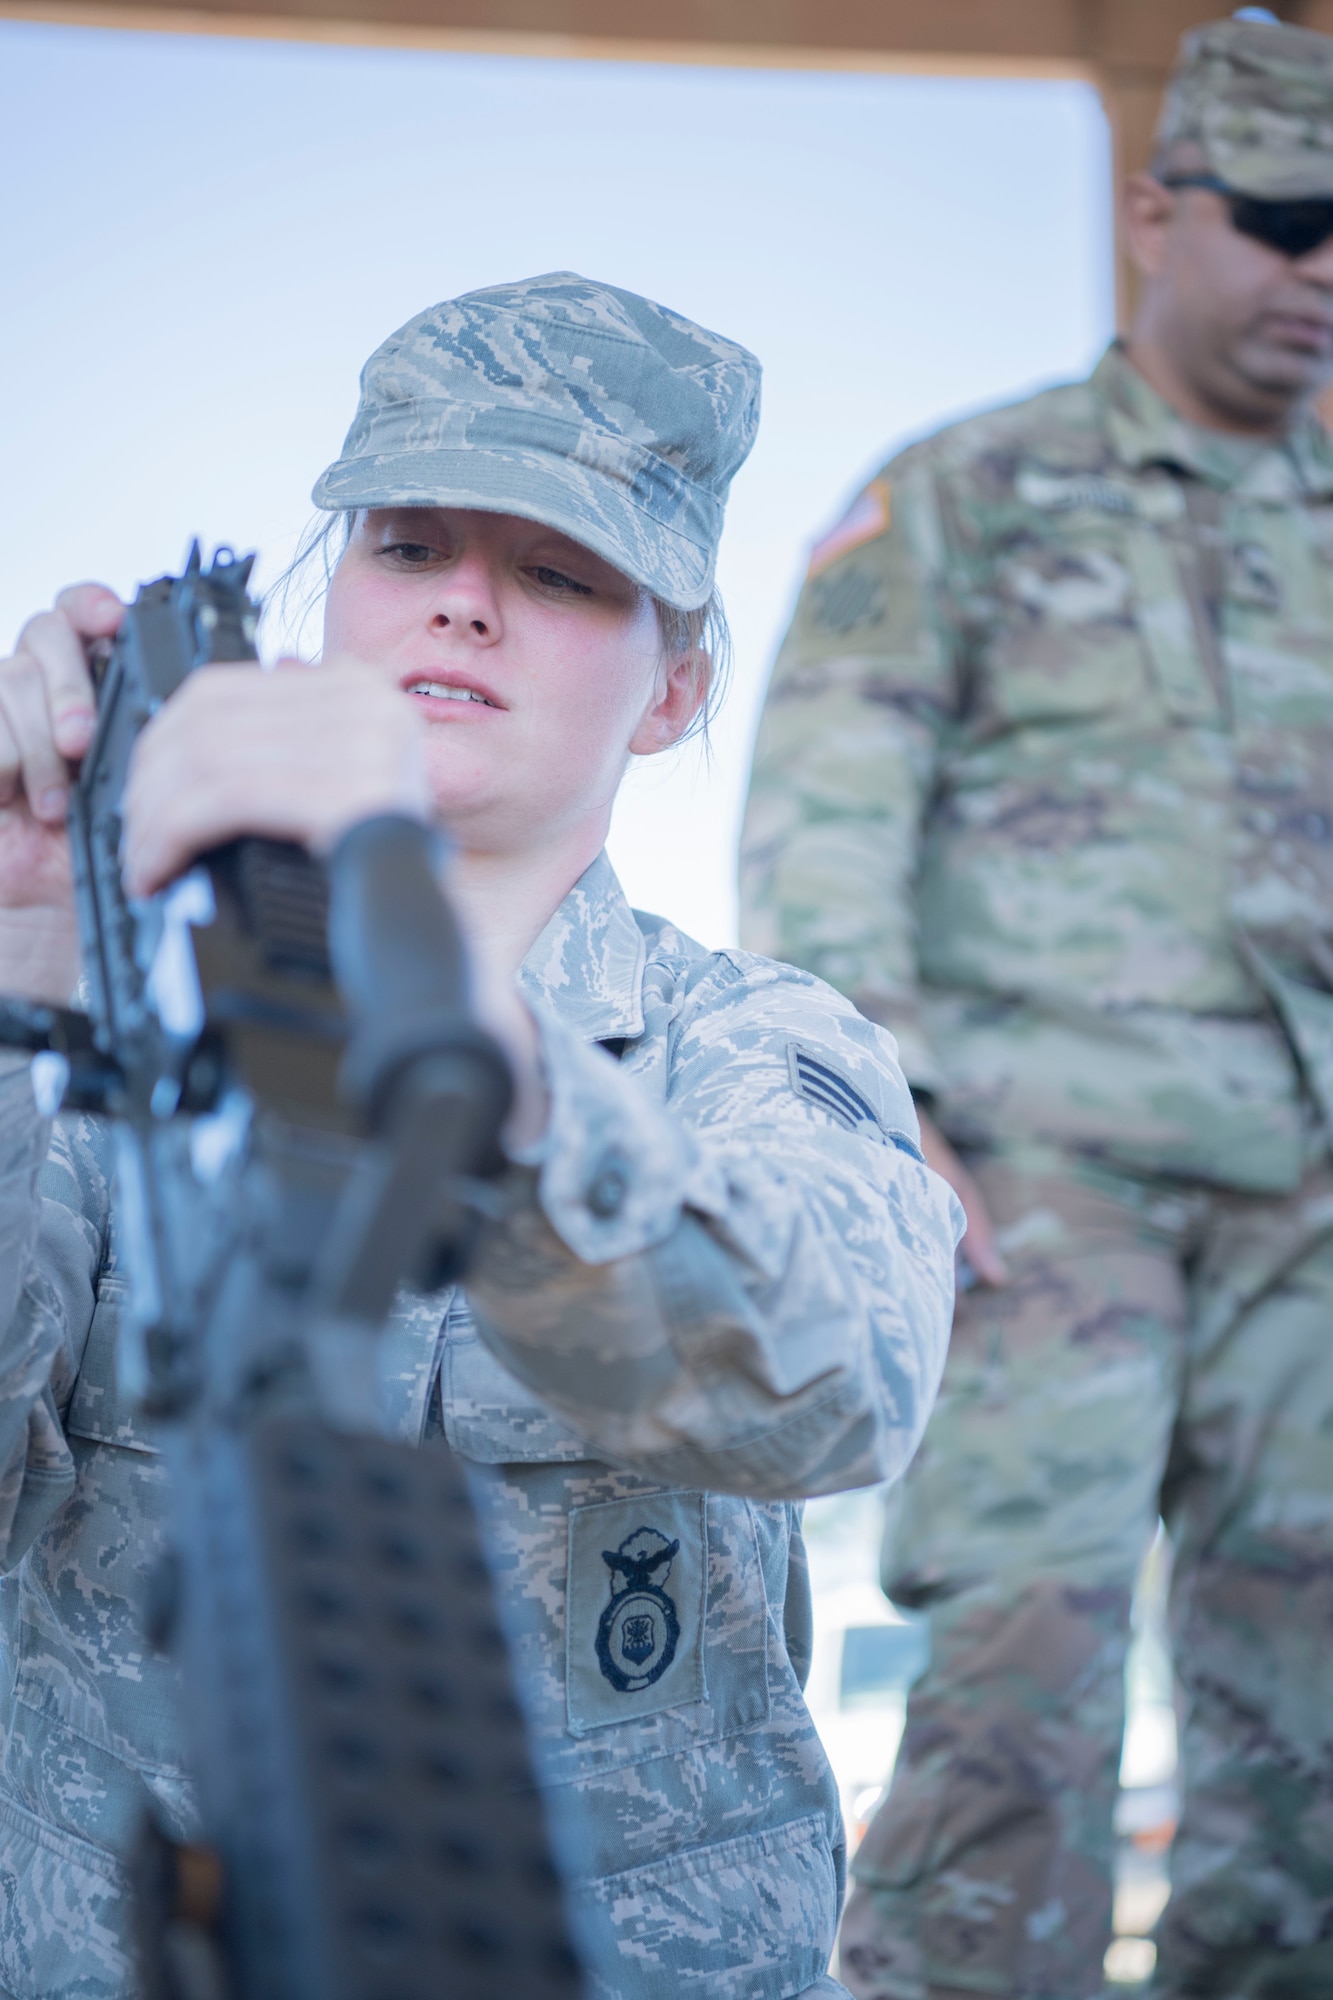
column 489, row 1415
column 99, row 1411
column 660, row 1634
column 638, row 1579
column 666, row 1628
column 1060, row 635
column 1175, row 622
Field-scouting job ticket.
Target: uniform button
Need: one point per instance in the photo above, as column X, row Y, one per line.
column 608, row 1187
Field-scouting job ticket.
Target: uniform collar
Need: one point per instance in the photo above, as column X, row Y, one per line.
column 587, row 965
column 1145, row 431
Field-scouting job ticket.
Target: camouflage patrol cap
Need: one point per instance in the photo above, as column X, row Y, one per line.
column 1256, row 98
column 567, row 402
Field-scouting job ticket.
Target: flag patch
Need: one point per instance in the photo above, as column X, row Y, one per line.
column 869, row 515
column 819, row 1083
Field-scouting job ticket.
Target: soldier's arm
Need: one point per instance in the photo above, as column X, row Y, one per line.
column 54, row 1188
column 751, row 1288
column 863, row 689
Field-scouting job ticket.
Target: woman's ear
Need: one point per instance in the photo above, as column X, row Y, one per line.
column 679, row 693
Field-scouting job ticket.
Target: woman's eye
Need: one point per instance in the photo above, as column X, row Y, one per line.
column 412, row 554
column 555, row 579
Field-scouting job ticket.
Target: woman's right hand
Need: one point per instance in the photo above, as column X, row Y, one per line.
column 47, row 712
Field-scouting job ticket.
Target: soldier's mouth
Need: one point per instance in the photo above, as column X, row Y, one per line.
column 449, row 691
column 1304, row 330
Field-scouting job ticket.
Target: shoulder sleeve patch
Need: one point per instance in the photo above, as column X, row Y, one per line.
column 869, row 515
column 815, row 1079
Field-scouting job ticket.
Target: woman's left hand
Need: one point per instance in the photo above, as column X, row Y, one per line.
column 302, row 754
column 299, row 753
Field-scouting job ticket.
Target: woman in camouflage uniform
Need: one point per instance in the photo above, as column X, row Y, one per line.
column 723, row 1279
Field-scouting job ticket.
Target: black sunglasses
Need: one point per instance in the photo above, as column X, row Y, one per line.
column 1293, row 227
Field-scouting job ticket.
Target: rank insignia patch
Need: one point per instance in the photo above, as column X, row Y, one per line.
column 634, row 1642
column 819, row 1083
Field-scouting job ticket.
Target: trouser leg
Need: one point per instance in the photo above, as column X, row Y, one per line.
column 988, row 1870
column 1250, row 1496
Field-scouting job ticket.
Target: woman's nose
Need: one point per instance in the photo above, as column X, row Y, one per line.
column 468, row 602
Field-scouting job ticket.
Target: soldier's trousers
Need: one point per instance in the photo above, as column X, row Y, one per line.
column 1159, row 1347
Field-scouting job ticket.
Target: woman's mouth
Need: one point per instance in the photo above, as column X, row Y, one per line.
column 446, row 691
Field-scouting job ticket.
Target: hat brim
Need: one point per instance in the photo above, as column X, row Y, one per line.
column 591, row 507
column 1265, row 179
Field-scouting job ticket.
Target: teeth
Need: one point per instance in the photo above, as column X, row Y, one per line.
column 442, row 693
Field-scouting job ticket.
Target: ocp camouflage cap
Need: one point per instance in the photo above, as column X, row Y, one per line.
column 567, row 402
column 1256, row 98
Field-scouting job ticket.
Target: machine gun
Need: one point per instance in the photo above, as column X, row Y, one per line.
column 305, row 1117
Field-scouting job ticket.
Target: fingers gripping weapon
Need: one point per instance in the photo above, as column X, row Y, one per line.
column 305, row 1117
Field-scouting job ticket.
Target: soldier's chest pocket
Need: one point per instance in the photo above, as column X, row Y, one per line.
column 661, row 1638
column 1062, row 635
column 1279, row 617
column 490, row 1416
column 666, row 1640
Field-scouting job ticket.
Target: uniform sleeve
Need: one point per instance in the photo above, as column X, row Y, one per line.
column 847, row 753
column 53, row 1209
column 747, row 1287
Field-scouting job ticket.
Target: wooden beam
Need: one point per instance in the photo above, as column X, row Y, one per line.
column 376, row 25
column 1124, row 47
column 1008, row 37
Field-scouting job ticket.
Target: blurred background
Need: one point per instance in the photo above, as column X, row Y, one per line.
column 211, row 234
column 210, row 219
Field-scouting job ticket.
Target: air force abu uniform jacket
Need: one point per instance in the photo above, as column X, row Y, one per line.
column 725, row 1284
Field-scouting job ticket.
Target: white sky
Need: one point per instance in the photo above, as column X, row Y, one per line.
column 202, row 240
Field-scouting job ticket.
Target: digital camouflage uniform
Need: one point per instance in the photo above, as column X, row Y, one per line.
column 725, row 1284
column 1045, row 783
column 723, row 1281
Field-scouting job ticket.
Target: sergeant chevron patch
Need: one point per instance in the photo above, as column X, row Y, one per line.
column 815, row 1079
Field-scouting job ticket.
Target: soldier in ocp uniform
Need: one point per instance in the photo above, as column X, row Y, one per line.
column 1045, row 783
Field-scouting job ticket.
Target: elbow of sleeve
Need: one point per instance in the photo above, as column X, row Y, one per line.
column 871, row 1449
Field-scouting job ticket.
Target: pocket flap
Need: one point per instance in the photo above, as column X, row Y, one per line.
column 98, row 1410
column 492, row 1417
column 1306, row 1014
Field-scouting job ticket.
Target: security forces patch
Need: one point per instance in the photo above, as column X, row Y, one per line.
column 639, row 1631
column 634, row 1639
